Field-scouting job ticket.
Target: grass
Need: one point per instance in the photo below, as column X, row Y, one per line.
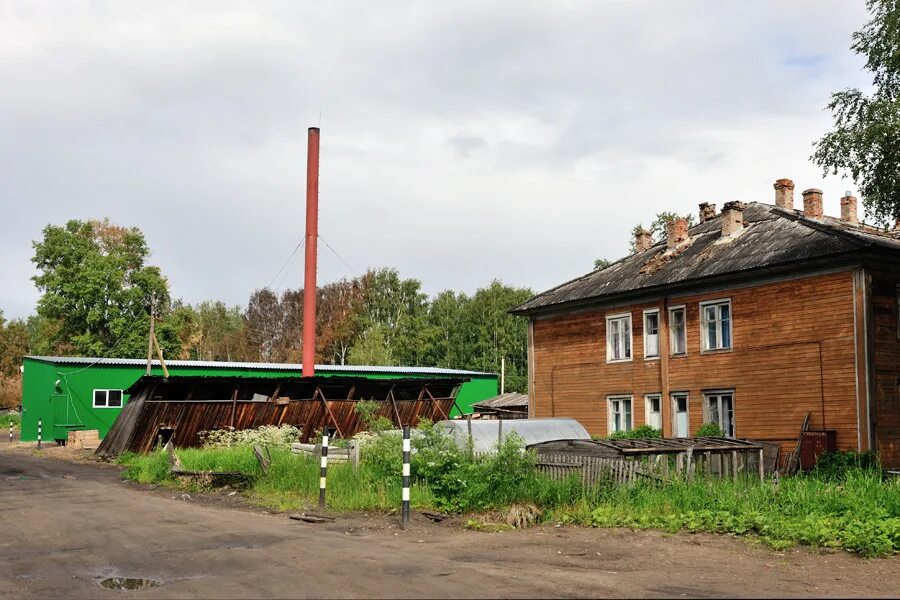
column 8, row 419
column 859, row 513
column 856, row 511
column 292, row 481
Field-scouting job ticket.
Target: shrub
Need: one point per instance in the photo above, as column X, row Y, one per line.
column 835, row 466
column 710, row 430
column 368, row 414
column 8, row 420
column 267, row 435
column 642, row 432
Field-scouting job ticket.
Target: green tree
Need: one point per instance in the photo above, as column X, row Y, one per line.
column 14, row 343
column 865, row 140
column 601, row 263
column 488, row 333
column 372, row 349
column 398, row 307
column 96, row 290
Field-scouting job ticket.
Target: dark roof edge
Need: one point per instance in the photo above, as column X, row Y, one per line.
column 806, row 268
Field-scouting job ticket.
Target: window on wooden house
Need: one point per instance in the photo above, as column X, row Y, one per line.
column 653, row 410
column 618, row 338
column 719, row 409
column 677, row 330
column 651, row 334
column 107, row 398
column 680, row 420
column 715, row 323
column 619, row 413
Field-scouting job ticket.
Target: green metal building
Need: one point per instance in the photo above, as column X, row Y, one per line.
column 74, row 393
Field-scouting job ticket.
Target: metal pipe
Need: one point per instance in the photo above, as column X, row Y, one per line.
column 312, row 237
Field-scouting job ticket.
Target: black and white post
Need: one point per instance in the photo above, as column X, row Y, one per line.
column 405, row 510
column 10, row 433
column 40, row 431
column 323, row 471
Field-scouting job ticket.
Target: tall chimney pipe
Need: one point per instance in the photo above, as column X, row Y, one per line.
column 312, row 238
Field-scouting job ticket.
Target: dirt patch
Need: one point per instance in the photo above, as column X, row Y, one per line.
column 211, row 544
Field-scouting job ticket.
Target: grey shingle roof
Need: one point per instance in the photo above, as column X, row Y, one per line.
column 771, row 237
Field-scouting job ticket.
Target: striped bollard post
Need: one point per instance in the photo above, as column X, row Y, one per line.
column 323, row 468
column 10, row 433
column 405, row 510
column 40, row 431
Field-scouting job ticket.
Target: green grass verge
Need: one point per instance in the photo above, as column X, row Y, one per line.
column 857, row 512
column 8, row 419
column 292, row 481
column 860, row 513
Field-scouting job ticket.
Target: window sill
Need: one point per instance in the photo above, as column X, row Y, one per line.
column 650, row 358
column 717, row 351
column 619, row 360
column 679, row 355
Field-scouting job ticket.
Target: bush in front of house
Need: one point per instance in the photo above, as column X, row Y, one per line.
column 642, row 432
column 710, row 430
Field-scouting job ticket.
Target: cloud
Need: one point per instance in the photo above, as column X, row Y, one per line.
column 460, row 142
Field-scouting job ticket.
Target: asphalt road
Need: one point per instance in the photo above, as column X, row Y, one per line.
column 65, row 527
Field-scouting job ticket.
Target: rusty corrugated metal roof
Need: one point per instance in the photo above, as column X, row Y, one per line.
column 508, row 400
column 772, row 237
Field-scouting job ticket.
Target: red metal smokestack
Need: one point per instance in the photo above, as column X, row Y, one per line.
column 312, row 238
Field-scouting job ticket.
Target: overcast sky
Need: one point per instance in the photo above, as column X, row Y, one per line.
column 461, row 141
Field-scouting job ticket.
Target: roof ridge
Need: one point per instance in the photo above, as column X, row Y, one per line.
column 817, row 225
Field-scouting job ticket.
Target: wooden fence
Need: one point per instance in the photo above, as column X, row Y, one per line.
column 653, row 467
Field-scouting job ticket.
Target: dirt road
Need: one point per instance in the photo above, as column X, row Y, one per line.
column 65, row 527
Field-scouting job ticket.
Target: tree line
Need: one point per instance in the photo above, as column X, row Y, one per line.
column 97, row 290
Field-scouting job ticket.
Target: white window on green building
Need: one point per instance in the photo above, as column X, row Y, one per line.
column 107, row 398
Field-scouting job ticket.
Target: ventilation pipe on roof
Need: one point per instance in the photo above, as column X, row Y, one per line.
column 784, row 194
column 812, row 203
column 707, row 211
column 848, row 209
column 642, row 240
column 312, row 238
column 676, row 232
column 732, row 217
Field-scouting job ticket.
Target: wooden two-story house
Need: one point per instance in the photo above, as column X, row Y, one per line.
column 751, row 319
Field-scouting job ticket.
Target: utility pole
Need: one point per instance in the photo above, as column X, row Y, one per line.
column 503, row 375
column 152, row 334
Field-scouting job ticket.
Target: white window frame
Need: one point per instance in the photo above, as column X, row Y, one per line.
column 609, row 346
column 647, row 355
column 609, row 412
column 671, row 324
column 707, row 396
column 647, row 399
column 673, row 400
column 106, row 398
column 704, row 341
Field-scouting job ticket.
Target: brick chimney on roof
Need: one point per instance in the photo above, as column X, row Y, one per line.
column 812, row 203
column 732, row 217
column 848, row 209
column 784, row 194
column 707, row 211
column 676, row 232
column 642, row 240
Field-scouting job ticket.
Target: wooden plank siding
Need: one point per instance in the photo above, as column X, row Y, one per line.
column 793, row 352
column 886, row 367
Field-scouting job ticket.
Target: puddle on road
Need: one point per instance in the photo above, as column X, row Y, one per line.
column 127, row 583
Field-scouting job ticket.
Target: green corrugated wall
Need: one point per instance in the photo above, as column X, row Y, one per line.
column 68, row 405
